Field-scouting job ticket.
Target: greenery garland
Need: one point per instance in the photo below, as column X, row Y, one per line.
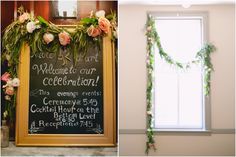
column 153, row 39
column 43, row 36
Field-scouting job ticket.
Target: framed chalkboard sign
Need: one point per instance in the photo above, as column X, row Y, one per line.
column 63, row 103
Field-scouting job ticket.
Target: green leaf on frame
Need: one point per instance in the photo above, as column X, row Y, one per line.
column 87, row 21
column 42, row 21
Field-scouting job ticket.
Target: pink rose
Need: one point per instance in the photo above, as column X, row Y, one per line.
column 48, row 37
column 5, row 77
column 23, row 17
column 64, row 38
column 9, row 90
column 92, row 31
column 104, row 24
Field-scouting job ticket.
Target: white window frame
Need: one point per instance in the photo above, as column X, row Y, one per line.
column 206, row 101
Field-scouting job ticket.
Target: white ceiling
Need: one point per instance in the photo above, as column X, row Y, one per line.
column 175, row 2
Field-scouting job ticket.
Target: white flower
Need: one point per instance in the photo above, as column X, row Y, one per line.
column 30, row 26
column 115, row 34
column 38, row 26
column 150, row 71
column 5, row 114
column 8, row 84
column 100, row 13
column 15, row 82
column 7, row 97
column 91, row 14
column 37, row 22
column 48, row 37
column 8, row 57
column 149, row 112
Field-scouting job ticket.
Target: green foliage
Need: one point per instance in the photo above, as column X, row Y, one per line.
column 88, row 21
column 16, row 34
column 43, row 21
column 112, row 16
column 203, row 57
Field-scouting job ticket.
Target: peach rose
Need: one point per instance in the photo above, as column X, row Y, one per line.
column 24, row 17
column 104, row 24
column 64, row 38
column 9, row 90
column 92, row 31
column 5, row 77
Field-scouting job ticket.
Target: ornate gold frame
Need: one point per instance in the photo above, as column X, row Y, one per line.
column 22, row 109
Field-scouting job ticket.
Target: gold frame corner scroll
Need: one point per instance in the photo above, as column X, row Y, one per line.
column 108, row 138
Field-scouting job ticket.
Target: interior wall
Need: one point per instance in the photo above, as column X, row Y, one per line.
column 132, row 85
column 7, row 11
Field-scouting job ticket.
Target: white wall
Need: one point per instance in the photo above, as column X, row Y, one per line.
column 132, row 84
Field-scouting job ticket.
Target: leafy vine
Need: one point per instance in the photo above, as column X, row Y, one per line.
column 43, row 36
column 153, row 39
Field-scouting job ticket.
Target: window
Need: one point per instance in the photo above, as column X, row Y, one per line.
column 67, row 8
column 179, row 96
column 62, row 9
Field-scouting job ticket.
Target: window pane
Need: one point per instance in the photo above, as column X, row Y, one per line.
column 70, row 7
column 180, row 38
column 190, row 99
column 167, row 112
column 178, row 93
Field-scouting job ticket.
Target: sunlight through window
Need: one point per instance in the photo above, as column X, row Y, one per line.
column 179, row 97
column 67, row 8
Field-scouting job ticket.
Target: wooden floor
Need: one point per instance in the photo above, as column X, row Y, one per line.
column 12, row 150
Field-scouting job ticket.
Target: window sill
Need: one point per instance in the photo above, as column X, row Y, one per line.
column 180, row 131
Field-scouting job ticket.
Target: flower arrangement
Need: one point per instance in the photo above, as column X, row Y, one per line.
column 43, row 36
column 153, row 39
column 10, row 84
column 9, row 89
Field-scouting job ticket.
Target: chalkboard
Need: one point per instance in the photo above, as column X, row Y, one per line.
column 66, row 95
column 67, row 102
